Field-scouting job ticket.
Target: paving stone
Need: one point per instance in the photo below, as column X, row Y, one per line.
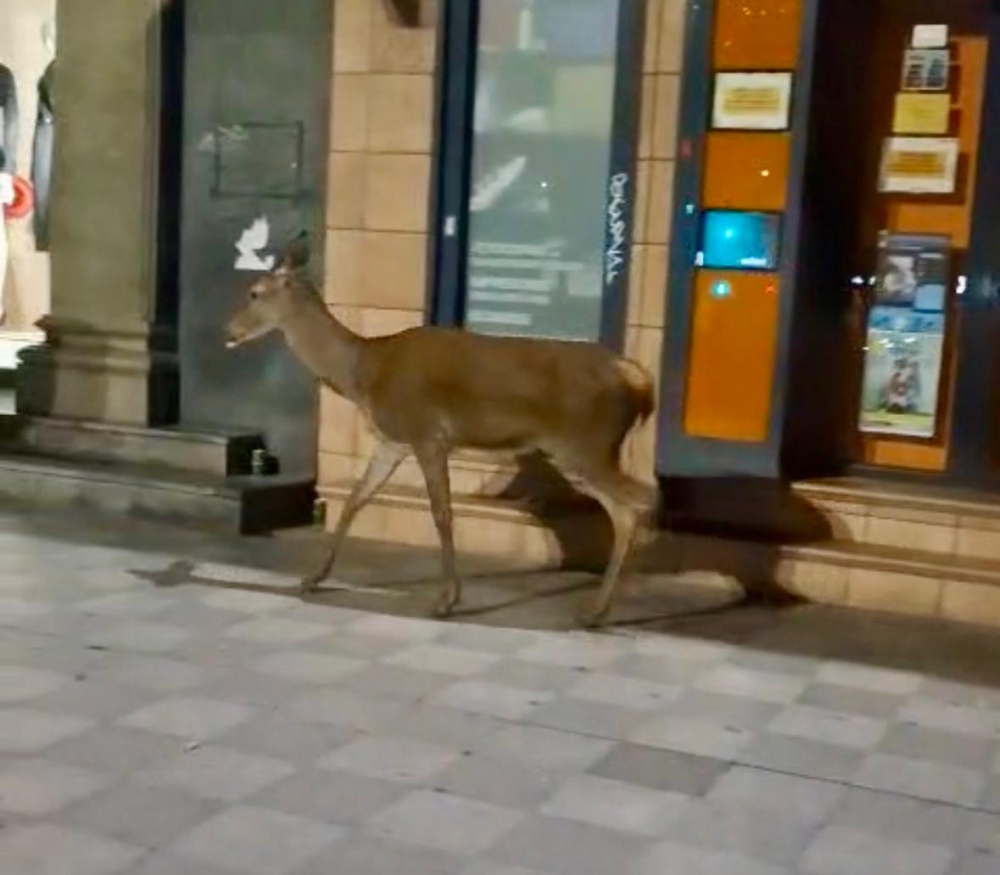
column 928, row 780
column 256, row 841
column 444, row 822
column 47, row 848
column 565, row 847
column 772, row 836
column 844, row 851
column 625, row 807
column 661, row 769
column 674, row 858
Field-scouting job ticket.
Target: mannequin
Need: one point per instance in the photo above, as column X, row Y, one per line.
column 41, row 149
column 8, row 107
column 8, row 166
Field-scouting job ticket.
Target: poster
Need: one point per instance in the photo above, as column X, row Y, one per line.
column 752, row 101
column 921, row 113
column 547, row 226
column 918, row 165
column 926, row 70
column 905, row 337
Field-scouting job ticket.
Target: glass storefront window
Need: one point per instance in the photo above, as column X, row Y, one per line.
column 541, row 191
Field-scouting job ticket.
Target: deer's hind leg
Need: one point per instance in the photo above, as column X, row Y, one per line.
column 622, row 499
column 433, row 460
column 383, row 462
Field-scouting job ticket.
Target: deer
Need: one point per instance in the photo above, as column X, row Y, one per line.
column 430, row 390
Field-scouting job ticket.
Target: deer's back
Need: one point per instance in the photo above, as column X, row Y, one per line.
column 490, row 392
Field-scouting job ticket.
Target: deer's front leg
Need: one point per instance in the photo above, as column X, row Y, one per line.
column 383, row 462
column 433, row 461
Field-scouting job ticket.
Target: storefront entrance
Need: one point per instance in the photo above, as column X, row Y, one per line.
column 834, row 287
column 923, row 256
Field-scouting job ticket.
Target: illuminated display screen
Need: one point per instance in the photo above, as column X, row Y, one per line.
column 734, row 240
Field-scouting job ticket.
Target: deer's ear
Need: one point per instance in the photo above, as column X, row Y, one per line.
column 296, row 254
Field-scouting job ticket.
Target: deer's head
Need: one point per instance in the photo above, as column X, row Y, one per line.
column 272, row 298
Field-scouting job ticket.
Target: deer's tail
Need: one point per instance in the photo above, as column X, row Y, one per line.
column 640, row 387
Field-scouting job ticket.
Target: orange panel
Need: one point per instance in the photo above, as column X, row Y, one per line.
column 757, row 34
column 900, row 454
column 731, row 366
column 745, row 171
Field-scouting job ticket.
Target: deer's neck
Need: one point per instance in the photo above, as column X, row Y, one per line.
column 326, row 347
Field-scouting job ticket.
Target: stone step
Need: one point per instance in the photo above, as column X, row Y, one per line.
column 236, row 504
column 956, row 525
column 952, row 523
column 842, row 573
column 216, row 453
column 561, row 531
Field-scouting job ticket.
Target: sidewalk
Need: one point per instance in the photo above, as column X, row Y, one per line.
column 170, row 706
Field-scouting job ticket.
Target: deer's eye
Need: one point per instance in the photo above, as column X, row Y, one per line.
column 254, row 294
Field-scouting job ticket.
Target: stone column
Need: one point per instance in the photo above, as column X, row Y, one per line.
column 104, row 357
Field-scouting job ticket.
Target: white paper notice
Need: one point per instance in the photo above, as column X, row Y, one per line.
column 930, row 36
column 249, row 245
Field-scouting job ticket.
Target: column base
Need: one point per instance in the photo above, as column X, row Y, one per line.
column 127, row 376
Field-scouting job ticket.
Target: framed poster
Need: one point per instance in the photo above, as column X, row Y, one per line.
column 918, row 165
column 921, row 113
column 926, row 70
column 752, row 101
column 905, row 337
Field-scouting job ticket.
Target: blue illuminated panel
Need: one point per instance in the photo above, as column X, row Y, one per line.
column 736, row 240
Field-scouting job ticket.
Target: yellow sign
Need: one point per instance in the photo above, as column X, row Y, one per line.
column 916, row 165
column 921, row 113
column 751, row 101
column 919, row 165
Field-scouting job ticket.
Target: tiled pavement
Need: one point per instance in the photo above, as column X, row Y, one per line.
column 191, row 729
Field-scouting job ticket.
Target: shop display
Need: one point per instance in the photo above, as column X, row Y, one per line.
column 919, row 165
column 8, row 167
column 42, row 146
column 26, row 61
column 905, row 337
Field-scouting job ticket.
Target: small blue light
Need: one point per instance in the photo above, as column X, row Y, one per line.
column 721, row 289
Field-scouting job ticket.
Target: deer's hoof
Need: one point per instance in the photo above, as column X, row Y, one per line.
column 593, row 619
column 309, row 585
column 444, row 607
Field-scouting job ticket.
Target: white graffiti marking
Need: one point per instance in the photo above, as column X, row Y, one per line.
column 614, row 257
column 249, row 245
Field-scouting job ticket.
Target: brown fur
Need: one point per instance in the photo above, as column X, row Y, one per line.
column 430, row 390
